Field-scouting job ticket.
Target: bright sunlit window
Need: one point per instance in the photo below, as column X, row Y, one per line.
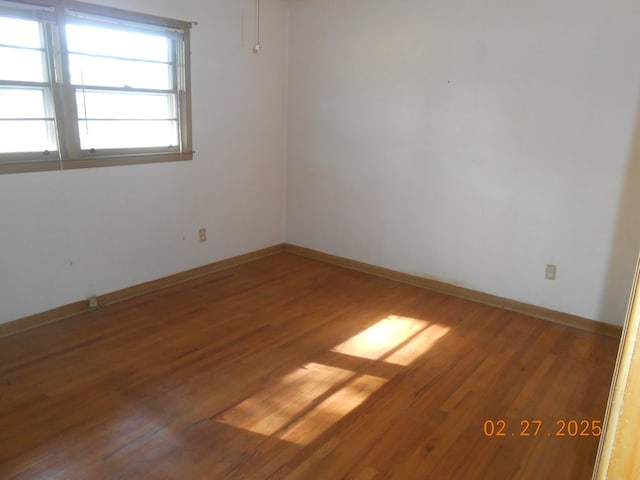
column 82, row 85
column 27, row 121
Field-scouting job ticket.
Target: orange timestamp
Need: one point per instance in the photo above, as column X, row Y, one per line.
column 535, row 428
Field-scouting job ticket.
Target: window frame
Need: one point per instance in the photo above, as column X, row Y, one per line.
column 70, row 155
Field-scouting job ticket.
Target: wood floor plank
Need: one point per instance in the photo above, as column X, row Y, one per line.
column 287, row 368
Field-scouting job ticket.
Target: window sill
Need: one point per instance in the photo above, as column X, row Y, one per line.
column 105, row 161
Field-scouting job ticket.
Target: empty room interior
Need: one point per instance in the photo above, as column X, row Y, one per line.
column 319, row 239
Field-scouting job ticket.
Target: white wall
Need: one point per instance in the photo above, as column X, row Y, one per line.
column 67, row 235
column 470, row 141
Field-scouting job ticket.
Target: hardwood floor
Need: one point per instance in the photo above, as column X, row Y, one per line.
column 288, row 368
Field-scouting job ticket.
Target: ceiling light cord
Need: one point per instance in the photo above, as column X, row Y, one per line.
column 257, row 47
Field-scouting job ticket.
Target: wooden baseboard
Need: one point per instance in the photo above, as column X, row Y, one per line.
column 43, row 318
column 141, row 289
column 561, row 318
column 65, row 311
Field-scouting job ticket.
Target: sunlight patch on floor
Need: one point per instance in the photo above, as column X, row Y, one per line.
column 328, row 412
column 304, row 404
column 417, row 346
column 379, row 339
column 273, row 408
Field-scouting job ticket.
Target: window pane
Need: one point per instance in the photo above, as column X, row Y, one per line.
column 22, row 65
column 116, row 105
column 117, row 43
column 20, row 33
column 27, row 136
column 127, row 134
column 112, row 72
column 22, row 103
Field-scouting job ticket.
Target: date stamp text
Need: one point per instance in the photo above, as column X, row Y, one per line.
column 538, row 428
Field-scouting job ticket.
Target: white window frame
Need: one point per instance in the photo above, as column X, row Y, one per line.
column 53, row 15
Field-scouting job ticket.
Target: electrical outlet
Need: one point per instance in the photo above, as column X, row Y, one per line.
column 203, row 235
column 93, row 302
column 550, row 272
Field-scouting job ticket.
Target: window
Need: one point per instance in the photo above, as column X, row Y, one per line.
column 83, row 85
column 27, row 121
